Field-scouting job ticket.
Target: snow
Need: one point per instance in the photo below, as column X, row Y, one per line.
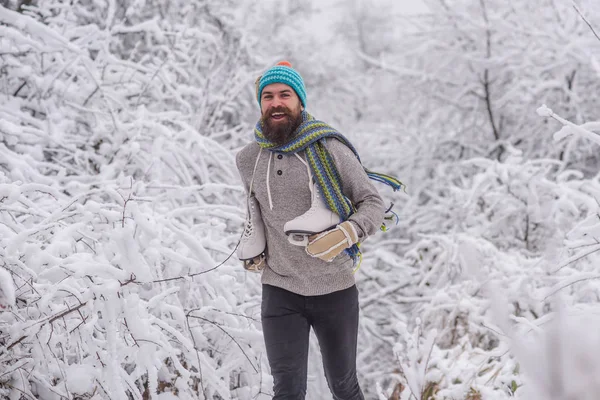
column 544, row 111
column 7, row 289
column 167, row 396
column 81, row 378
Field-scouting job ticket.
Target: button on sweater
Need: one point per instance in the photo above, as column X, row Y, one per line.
column 289, row 266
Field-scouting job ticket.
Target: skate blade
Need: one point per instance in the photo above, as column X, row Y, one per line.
column 250, row 265
column 299, row 239
column 307, row 233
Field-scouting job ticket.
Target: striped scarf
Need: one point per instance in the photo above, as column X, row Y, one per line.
column 310, row 136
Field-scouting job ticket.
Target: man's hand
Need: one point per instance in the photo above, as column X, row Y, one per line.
column 329, row 244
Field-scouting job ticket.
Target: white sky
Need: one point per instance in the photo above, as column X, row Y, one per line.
column 402, row 6
column 326, row 12
column 411, row 6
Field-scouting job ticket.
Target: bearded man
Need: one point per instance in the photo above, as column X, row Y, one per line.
column 310, row 286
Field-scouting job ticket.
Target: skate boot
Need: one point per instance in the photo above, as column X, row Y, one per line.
column 251, row 250
column 317, row 219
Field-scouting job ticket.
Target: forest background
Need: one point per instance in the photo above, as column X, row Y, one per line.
column 120, row 203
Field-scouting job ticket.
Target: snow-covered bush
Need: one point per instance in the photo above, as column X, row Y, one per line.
column 491, row 197
column 486, row 278
column 467, row 76
column 119, row 203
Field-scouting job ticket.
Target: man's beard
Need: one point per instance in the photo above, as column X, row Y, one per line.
column 280, row 132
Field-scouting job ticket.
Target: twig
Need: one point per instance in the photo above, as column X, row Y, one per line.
column 110, row 110
column 124, row 208
column 187, row 320
column 19, row 365
column 77, row 327
column 99, row 359
column 148, row 83
column 16, row 388
column 150, row 341
column 84, row 242
column 130, row 280
column 199, row 273
column 19, row 89
column 90, row 96
column 260, row 384
column 586, row 21
column 50, row 321
column 66, row 312
column 131, row 333
column 427, row 364
column 17, row 342
column 51, row 333
column 587, row 278
column 227, row 333
column 577, row 258
column 238, row 315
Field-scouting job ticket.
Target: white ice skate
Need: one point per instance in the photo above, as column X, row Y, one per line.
column 317, row 219
column 253, row 242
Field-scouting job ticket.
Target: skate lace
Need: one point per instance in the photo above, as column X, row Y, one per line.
column 248, row 229
column 313, row 206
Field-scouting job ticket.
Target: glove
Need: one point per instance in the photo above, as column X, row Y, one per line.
column 255, row 264
column 329, row 244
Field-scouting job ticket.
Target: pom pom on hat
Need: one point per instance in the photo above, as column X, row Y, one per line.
column 282, row 72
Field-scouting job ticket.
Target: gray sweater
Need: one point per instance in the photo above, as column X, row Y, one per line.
column 289, row 266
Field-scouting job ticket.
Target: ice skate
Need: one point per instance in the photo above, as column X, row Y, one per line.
column 317, row 219
column 253, row 242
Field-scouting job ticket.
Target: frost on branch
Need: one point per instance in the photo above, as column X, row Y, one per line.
column 570, row 128
column 544, row 111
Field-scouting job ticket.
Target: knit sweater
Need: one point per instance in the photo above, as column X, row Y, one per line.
column 289, row 266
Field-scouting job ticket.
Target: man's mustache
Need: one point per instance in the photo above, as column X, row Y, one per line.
column 279, row 109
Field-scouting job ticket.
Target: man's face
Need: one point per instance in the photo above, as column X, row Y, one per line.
column 281, row 112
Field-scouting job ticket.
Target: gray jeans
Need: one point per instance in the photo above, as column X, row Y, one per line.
column 286, row 320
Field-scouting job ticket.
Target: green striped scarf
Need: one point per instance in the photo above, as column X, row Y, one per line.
column 310, row 136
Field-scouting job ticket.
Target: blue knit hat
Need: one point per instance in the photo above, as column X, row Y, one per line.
column 282, row 73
